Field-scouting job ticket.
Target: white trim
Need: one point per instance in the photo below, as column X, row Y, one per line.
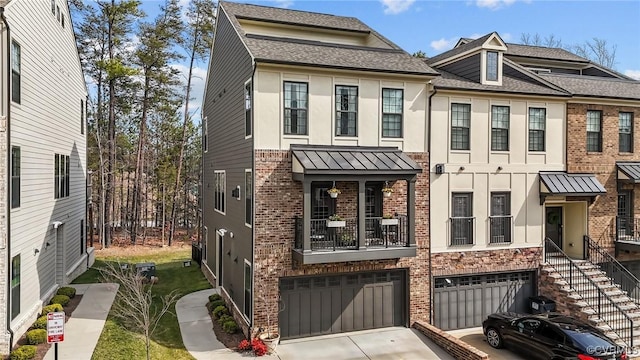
column 250, row 171
column 244, row 277
column 224, row 193
column 206, row 243
column 381, row 113
column 546, row 112
column 205, row 142
column 244, row 89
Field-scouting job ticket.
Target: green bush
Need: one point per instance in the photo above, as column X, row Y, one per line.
column 36, row 336
column 25, row 352
column 219, row 311
column 214, row 297
column 224, row 318
column 41, row 323
column 217, row 303
column 60, row 299
column 51, row 308
column 230, row 327
column 67, row 290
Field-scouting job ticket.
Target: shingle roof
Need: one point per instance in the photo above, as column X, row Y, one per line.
column 596, row 86
column 543, row 53
column 509, row 85
column 322, row 54
column 460, row 49
column 561, row 183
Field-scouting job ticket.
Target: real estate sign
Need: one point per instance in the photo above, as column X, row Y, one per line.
column 55, row 327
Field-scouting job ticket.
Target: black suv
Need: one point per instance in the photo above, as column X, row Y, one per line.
column 550, row 337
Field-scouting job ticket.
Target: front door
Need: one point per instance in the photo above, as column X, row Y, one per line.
column 553, row 226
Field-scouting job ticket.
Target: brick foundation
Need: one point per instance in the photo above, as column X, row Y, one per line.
column 454, row 346
column 278, row 199
column 485, row 261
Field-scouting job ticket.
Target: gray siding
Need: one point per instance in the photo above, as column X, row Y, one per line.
column 514, row 73
column 230, row 67
column 468, row 68
column 592, row 71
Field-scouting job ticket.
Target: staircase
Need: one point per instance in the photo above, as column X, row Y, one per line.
column 583, row 290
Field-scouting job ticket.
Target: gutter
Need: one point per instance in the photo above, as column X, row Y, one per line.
column 8, row 175
column 435, row 90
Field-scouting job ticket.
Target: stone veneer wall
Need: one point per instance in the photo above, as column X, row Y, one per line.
column 454, row 346
column 603, row 211
column 278, row 199
column 485, row 261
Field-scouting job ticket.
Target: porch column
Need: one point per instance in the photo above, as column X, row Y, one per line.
column 411, row 212
column 362, row 230
column 306, row 215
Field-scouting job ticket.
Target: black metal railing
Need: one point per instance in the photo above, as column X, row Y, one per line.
column 614, row 270
column 196, row 253
column 462, row 230
column 500, row 229
column 379, row 233
column 606, row 309
column 627, row 228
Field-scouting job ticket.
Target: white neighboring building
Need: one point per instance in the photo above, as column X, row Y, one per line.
column 43, row 144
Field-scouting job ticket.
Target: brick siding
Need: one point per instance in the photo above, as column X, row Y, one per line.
column 485, row 261
column 454, row 346
column 279, row 199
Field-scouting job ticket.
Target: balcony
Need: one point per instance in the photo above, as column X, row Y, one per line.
column 501, row 229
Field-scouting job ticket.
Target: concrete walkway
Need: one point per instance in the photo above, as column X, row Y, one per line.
column 387, row 343
column 82, row 331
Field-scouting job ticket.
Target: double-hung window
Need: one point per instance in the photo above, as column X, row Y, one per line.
column 220, row 185
column 460, row 125
column 16, row 72
column 205, row 144
column 392, row 107
column 248, row 276
column 500, row 219
column 15, row 177
column 295, row 108
column 15, row 286
column 462, row 221
column 537, row 126
column 492, row 66
column 247, row 109
column 594, row 131
column 499, row 128
column 625, row 124
column 346, row 110
column 61, row 178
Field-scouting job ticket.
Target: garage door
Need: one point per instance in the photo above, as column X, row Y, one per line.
column 466, row 301
column 338, row 303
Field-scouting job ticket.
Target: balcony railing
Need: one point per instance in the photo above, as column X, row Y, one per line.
column 379, row 233
column 462, row 230
column 627, row 228
column 500, row 229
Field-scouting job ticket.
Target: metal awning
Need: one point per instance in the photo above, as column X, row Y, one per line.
column 629, row 171
column 563, row 184
column 351, row 160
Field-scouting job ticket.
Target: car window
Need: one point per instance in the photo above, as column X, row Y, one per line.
column 528, row 325
column 550, row 334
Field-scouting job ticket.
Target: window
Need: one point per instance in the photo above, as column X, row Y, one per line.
column 15, row 72
column 322, row 205
column 295, row 108
column 247, row 109
column 248, row 191
column 205, row 145
column 58, row 13
column 461, row 219
column 392, row 100
column 53, row 7
column 62, row 20
column 346, row 110
column 537, row 126
column 61, row 179
column 594, row 131
column 220, row 186
column 247, row 289
column 15, row 177
column 492, row 66
column 500, row 219
column 82, row 243
column 460, row 124
column 82, row 108
column 625, row 123
column 499, row 128
column 15, row 286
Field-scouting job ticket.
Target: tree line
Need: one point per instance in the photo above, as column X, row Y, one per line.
column 143, row 147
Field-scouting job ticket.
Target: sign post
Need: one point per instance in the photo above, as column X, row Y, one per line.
column 55, row 330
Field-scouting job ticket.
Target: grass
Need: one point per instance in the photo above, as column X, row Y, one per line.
column 116, row 341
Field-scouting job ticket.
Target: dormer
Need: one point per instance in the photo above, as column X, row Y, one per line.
column 491, row 56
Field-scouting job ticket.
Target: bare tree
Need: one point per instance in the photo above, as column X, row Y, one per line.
column 537, row 40
column 599, row 51
column 136, row 305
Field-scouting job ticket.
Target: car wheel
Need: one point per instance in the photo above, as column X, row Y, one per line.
column 494, row 339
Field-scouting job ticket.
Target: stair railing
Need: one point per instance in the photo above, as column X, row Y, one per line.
column 620, row 275
column 618, row 320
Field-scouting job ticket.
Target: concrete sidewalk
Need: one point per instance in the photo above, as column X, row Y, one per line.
column 82, row 331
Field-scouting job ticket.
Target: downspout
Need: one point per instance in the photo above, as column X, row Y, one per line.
column 429, row 148
column 253, row 195
column 8, row 206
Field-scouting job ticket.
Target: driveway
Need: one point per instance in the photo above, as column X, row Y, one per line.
column 475, row 338
column 387, row 343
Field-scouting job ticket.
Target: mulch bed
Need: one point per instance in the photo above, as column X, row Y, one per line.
column 230, row 341
column 43, row 348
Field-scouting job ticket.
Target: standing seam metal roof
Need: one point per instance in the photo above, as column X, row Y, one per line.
column 630, row 168
column 561, row 183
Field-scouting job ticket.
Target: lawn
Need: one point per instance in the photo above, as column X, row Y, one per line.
column 116, row 342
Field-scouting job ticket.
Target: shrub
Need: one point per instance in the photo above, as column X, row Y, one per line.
column 41, row 323
column 51, row 308
column 259, row 348
column 67, row 290
column 230, row 327
column 217, row 303
column 219, row 311
column 25, row 352
column 60, row 299
column 244, row 345
column 36, row 336
column 214, row 297
column 224, row 318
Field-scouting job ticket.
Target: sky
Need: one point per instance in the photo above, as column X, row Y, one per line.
column 435, row 26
